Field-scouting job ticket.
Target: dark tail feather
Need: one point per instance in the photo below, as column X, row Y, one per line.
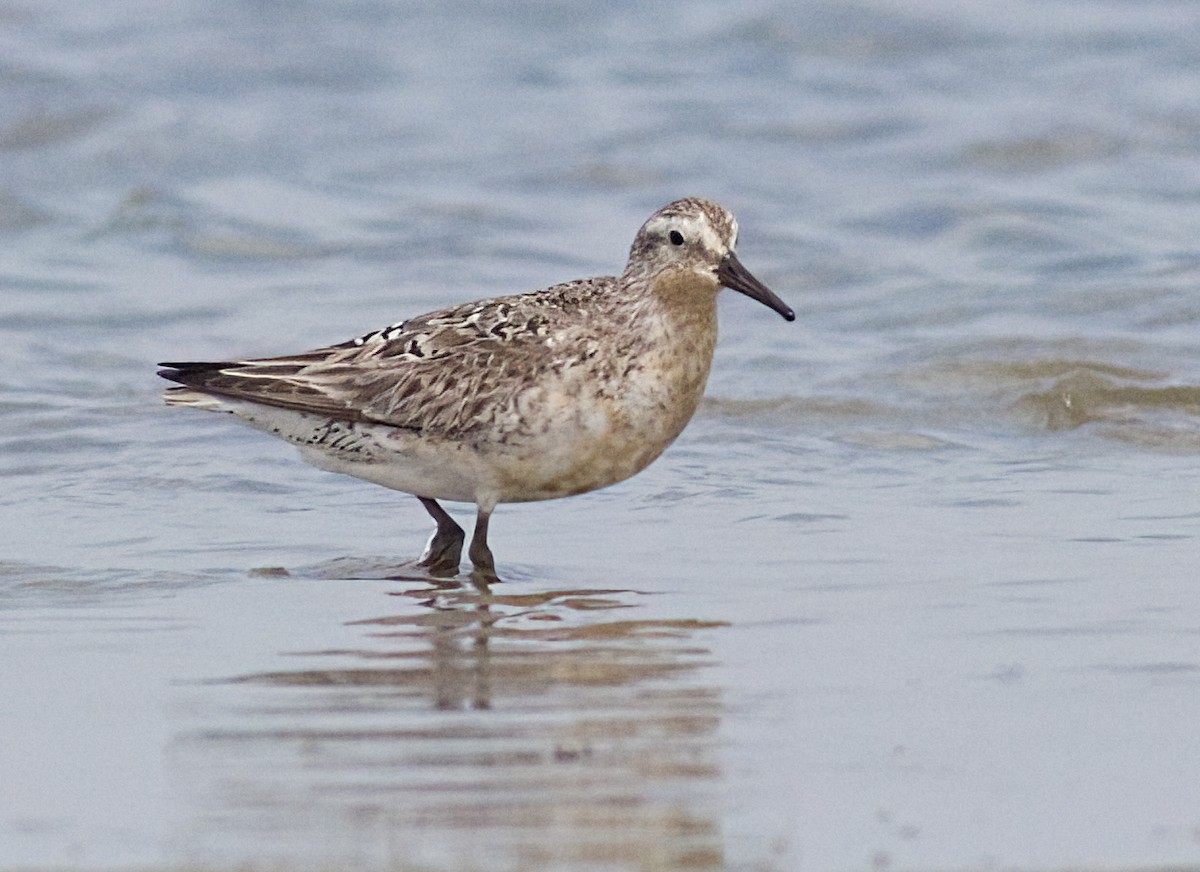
column 194, row 373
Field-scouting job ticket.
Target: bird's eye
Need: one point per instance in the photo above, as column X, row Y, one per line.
column 676, row 237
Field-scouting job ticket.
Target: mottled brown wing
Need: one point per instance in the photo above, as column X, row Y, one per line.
column 448, row 372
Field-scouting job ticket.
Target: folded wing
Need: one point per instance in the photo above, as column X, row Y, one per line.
column 449, row 372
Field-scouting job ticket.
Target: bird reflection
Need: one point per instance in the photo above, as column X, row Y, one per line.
column 461, row 623
column 458, row 631
column 565, row 723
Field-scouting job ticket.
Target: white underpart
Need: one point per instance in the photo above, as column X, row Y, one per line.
column 397, row 459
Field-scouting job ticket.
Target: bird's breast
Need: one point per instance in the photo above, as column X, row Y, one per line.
column 606, row 418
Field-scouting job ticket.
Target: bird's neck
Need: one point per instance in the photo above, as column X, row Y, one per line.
column 689, row 302
column 686, row 311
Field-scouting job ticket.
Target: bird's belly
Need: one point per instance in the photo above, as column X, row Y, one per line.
column 559, row 462
column 549, row 469
column 537, row 469
column 588, row 445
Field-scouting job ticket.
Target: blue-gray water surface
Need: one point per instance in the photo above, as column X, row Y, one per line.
column 917, row 588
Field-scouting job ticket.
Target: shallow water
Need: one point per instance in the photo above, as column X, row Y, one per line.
column 916, row 589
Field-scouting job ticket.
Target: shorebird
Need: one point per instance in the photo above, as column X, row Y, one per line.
column 510, row 399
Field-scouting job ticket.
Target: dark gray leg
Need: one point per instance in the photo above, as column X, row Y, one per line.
column 444, row 551
column 479, row 552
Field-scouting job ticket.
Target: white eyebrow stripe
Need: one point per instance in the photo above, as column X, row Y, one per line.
column 694, row 229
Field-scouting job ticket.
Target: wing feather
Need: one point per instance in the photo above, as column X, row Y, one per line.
column 449, row 372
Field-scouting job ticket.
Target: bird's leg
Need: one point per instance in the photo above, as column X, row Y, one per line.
column 444, row 551
column 479, row 552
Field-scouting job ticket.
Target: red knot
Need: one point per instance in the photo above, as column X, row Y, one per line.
column 511, row 399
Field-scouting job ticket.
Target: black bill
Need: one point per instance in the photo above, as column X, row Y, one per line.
column 731, row 274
